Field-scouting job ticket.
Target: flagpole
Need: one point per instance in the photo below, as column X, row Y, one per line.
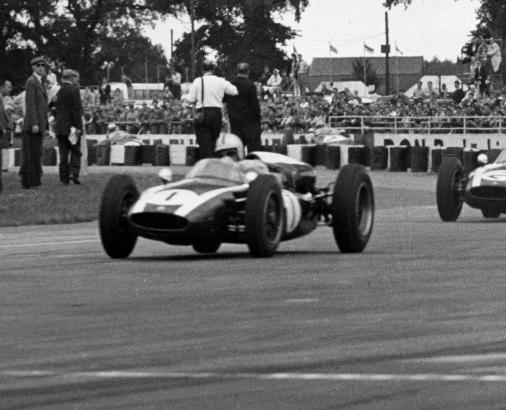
column 330, row 65
column 365, row 82
column 396, row 69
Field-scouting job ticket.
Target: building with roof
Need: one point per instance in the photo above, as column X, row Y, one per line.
column 404, row 71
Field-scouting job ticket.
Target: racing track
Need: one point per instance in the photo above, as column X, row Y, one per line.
column 417, row 321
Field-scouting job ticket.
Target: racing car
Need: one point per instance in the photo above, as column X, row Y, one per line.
column 216, row 203
column 483, row 188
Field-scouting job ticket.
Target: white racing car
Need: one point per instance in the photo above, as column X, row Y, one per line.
column 215, row 203
column 484, row 188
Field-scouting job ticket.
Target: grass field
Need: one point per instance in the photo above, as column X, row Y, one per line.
column 55, row 203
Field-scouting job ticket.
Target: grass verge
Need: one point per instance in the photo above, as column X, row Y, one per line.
column 55, row 203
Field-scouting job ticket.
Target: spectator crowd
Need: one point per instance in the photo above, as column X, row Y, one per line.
column 288, row 108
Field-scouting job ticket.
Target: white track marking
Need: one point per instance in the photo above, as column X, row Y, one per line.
column 326, row 377
column 302, row 300
column 465, row 358
column 27, row 245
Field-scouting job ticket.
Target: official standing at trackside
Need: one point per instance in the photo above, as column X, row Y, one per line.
column 34, row 125
column 215, row 88
column 69, row 113
column 244, row 110
column 5, row 122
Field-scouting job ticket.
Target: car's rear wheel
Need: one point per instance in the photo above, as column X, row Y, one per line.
column 117, row 236
column 264, row 216
column 206, row 246
column 449, row 189
column 490, row 213
column 352, row 209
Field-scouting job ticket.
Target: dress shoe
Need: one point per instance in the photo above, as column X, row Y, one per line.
column 75, row 179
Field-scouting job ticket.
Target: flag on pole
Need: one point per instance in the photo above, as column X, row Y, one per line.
column 294, row 49
column 332, row 49
column 368, row 49
column 397, row 49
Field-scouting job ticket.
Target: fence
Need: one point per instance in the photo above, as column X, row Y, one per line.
column 420, row 125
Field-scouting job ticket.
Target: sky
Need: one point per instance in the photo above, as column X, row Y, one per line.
column 430, row 28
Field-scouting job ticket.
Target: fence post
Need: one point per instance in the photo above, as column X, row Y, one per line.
column 362, row 125
column 395, row 125
column 429, row 124
column 464, row 125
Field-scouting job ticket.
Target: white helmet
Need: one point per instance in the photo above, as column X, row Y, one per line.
column 229, row 143
column 112, row 127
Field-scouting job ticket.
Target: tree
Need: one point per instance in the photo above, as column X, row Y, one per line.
column 371, row 78
column 491, row 19
column 241, row 30
column 72, row 33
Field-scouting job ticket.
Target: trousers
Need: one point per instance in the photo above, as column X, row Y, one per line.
column 67, row 167
column 208, row 131
column 31, row 154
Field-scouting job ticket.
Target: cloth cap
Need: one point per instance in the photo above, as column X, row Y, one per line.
column 68, row 74
column 37, row 60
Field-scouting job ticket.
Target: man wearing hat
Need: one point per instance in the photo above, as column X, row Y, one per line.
column 34, row 125
column 69, row 127
column 244, row 110
column 207, row 93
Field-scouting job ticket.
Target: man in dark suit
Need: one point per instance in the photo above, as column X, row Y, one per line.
column 5, row 121
column 34, row 125
column 69, row 127
column 244, row 110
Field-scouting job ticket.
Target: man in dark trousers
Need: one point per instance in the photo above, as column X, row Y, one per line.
column 34, row 125
column 5, row 122
column 69, row 127
column 244, row 110
column 207, row 130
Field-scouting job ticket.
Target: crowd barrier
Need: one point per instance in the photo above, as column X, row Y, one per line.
column 427, row 125
column 394, row 158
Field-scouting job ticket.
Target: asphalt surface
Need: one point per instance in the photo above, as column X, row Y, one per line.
column 416, row 321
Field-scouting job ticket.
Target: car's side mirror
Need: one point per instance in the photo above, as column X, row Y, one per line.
column 482, row 159
column 166, row 175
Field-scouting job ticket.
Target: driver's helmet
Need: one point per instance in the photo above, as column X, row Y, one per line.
column 112, row 127
column 229, row 145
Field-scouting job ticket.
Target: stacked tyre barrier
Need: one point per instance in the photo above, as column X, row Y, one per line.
column 392, row 158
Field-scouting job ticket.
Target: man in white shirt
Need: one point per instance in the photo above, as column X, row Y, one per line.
column 274, row 82
column 209, row 108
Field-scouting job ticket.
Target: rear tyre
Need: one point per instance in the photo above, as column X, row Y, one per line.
column 449, row 189
column 117, row 236
column 264, row 216
column 206, row 247
column 352, row 209
column 489, row 213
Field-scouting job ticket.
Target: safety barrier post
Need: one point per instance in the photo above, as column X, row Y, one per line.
column 361, row 125
column 464, row 125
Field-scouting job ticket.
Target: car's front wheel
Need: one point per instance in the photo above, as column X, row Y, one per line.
column 352, row 209
column 264, row 216
column 449, row 189
column 118, row 238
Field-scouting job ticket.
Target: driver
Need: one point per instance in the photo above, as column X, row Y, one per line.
column 230, row 147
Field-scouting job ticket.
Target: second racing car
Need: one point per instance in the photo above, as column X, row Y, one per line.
column 483, row 188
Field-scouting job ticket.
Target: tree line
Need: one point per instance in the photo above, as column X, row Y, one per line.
column 91, row 34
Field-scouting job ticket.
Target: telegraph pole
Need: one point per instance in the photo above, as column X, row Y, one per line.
column 386, row 50
column 171, row 45
column 192, row 18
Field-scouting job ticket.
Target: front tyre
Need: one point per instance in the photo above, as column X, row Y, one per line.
column 118, row 239
column 449, row 189
column 264, row 216
column 352, row 209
